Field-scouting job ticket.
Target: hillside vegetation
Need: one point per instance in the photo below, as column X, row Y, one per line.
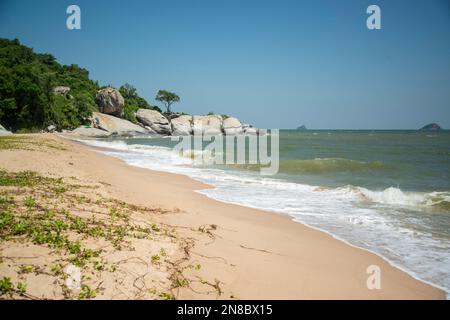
column 27, row 99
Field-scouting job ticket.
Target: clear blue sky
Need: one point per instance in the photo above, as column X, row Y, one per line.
column 277, row 64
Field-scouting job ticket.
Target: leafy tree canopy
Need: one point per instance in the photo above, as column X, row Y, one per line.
column 167, row 98
column 27, row 80
column 27, row 99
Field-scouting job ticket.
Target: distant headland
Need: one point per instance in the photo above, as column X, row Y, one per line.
column 40, row 95
column 431, row 127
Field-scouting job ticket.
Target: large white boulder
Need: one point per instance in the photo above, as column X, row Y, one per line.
column 182, row 125
column 232, row 126
column 251, row 131
column 91, row 132
column 116, row 126
column 210, row 125
column 154, row 120
column 110, row 101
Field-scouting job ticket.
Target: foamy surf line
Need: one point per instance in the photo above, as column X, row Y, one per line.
column 319, row 208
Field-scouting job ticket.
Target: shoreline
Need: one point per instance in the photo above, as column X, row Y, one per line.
column 284, row 215
column 102, row 150
column 300, row 261
column 391, row 263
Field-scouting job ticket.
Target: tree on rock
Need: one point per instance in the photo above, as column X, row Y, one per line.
column 167, row 98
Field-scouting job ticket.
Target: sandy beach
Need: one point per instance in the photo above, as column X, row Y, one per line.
column 240, row 253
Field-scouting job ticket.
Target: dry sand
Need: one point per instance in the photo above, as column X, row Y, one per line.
column 243, row 253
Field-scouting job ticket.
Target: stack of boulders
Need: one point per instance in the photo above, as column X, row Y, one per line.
column 108, row 121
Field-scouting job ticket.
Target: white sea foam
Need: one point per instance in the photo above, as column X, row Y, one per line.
column 375, row 220
column 395, row 196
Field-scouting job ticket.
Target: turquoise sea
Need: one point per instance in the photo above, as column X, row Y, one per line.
column 385, row 191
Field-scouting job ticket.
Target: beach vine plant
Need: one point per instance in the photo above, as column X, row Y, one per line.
column 57, row 222
column 52, row 213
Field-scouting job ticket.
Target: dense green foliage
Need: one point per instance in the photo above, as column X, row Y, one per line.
column 167, row 98
column 27, row 80
column 27, row 99
column 133, row 102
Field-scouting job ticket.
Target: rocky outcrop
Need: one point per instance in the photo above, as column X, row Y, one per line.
column 91, row 132
column 152, row 122
column 110, row 101
column 151, row 131
column 51, row 128
column 249, row 129
column 61, row 90
column 116, row 125
column 210, row 125
column 207, row 125
column 155, row 120
column 182, row 125
column 4, row 132
column 431, row 127
column 232, row 126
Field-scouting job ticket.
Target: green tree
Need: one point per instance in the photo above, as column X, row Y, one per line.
column 27, row 100
column 167, row 98
column 128, row 91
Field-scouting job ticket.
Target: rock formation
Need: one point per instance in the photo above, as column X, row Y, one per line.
column 91, row 132
column 232, row 126
column 182, row 125
column 51, row 128
column 210, row 125
column 431, row 127
column 154, row 123
column 155, row 120
column 116, row 125
column 110, row 101
column 61, row 90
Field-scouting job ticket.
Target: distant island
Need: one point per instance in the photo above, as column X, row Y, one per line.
column 302, row 128
column 431, row 127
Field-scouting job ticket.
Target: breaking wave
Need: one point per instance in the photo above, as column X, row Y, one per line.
column 390, row 222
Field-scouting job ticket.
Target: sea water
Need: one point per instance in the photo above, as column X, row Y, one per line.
column 385, row 191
